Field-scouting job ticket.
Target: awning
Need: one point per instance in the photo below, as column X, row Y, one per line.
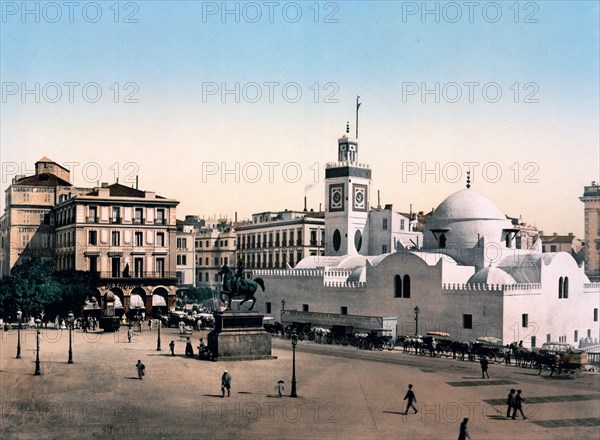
column 136, row 302
column 118, row 303
column 158, row 301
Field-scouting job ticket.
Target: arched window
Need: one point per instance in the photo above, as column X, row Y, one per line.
column 566, row 287
column 406, row 283
column 560, row 287
column 397, row 286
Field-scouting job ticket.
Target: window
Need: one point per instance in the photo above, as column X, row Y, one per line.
column 305, row 307
column 216, row 278
column 92, row 214
column 139, row 238
column 182, row 243
column 284, row 238
column 93, row 237
column 560, row 287
column 344, row 310
column 139, row 216
column 533, row 341
column 206, row 261
column 468, row 321
column 116, row 266
column 313, row 237
column 589, row 333
column 216, row 261
column 160, row 217
column 595, row 315
column 268, row 307
column 402, row 224
column 384, row 249
column 116, row 215
column 397, row 286
column 385, row 224
column 406, row 286
column 179, row 276
column 116, row 238
column 575, row 336
column 138, row 267
column 160, row 267
column 182, row 260
column 552, row 248
column 525, row 320
column 566, row 287
column 160, row 239
column 93, row 264
column 206, row 277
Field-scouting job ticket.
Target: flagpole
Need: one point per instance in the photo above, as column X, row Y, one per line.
column 357, row 107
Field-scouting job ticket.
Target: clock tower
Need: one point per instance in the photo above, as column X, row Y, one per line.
column 347, row 194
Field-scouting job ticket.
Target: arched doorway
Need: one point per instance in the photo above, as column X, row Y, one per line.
column 137, row 302
column 160, row 302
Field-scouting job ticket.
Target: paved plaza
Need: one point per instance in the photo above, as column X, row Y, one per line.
column 343, row 393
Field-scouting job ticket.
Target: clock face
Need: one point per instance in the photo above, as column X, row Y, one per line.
column 360, row 197
column 336, row 198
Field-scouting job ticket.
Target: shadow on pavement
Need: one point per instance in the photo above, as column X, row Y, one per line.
column 392, row 412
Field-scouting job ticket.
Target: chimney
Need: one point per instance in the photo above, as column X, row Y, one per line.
column 378, row 201
column 319, row 207
column 236, row 216
column 137, row 179
column 570, row 234
column 305, row 204
column 410, row 213
column 554, row 234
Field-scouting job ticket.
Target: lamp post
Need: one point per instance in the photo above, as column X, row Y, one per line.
column 71, row 321
column 158, row 339
column 294, row 343
column 417, row 320
column 19, row 316
column 38, row 321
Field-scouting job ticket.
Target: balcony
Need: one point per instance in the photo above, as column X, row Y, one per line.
column 116, row 220
column 160, row 221
column 139, row 275
column 92, row 219
column 138, row 221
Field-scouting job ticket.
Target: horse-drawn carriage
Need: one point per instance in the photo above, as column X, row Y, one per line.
column 377, row 339
column 560, row 357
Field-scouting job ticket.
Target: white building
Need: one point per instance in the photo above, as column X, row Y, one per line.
column 469, row 276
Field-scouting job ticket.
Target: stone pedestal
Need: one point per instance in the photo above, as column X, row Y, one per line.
column 239, row 336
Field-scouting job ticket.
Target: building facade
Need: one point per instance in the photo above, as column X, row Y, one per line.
column 276, row 240
column 213, row 249
column 591, row 201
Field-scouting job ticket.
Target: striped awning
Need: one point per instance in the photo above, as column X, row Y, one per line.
column 158, row 301
column 136, row 302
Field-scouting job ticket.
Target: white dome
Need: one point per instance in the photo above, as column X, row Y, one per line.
column 491, row 275
column 464, row 218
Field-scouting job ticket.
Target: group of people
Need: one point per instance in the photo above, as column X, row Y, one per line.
column 204, row 353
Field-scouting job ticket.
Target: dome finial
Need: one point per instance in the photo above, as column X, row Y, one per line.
column 468, row 179
column 347, row 127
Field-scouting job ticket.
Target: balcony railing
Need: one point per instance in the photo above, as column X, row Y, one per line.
column 116, row 220
column 160, row 221
column 93, row 219
column 138, row 221
column 134, row 275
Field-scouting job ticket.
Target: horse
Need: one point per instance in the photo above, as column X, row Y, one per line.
column 234, row 286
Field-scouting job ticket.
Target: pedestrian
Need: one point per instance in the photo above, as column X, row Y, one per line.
column 150, row 324
column 464, row 432
column 410, row 396
column 507, row 351
column 510, row 401
column 484, row 367
column 129, row 334
column 279, row 387
column 518, row 405
column 189, row 350
column 140, row 369
column 172, row 347
column 225, row 383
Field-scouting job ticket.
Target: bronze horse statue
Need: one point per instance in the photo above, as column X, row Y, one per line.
column 235, row 286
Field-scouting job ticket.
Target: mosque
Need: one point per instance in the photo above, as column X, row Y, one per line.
column 465, row 275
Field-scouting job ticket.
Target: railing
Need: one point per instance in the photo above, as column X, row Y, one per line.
column 138, row 221
column 116, row 220
column 160, row 221
column 134, row 275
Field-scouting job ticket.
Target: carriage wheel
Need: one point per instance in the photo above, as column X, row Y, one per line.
column 329, row 339
column 301, row 336
column 337, row 340
column 379, row 345
column 390, row 345
column 345, row 341
column 311, row 336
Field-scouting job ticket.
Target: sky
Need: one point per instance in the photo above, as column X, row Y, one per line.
column 237, row 106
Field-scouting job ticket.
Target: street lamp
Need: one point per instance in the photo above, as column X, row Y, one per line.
column 158, row 339
column 417, row 320
column 294, row 343
column 71, row 321
column 38, row 321
column 19, row 316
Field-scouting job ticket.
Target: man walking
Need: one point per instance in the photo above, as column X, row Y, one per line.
column 510, row 401
column 464, row 432
column 140, row 369
column 410, row 397
column 518, row 406
column 129, row 334
column 484, row 367
column 225, row 383
column 172, row 347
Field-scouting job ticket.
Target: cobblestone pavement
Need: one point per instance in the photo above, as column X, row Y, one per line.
column 344, row 393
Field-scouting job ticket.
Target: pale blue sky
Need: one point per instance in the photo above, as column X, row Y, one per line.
column 372, row 51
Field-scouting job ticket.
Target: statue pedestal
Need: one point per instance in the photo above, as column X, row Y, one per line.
column 239, row 336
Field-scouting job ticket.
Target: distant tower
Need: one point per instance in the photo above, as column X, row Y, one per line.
column 347, row 197
column 591, row 201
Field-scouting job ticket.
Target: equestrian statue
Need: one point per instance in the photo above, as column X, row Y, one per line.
column 236, row 285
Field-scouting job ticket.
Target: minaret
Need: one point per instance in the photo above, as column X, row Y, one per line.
column 347, row 197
